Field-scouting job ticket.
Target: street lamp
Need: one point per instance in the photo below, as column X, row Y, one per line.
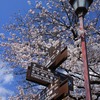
column 81, row 8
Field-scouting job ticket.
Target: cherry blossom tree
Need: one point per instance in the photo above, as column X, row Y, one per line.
column 48, row 23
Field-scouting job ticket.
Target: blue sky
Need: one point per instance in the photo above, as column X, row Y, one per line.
column 7, row 9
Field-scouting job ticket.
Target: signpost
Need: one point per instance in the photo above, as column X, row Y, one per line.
column 58, row 85
column 54, row 50
column 57, row 59
column 65, row 78
column 55, row 91
column 40, row 74
column 49, row 92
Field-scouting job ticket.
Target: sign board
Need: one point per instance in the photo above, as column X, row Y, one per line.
column 56, row 60
column 58, row 84
column 40, row 74
column 62, row 91
column 54, row 50
column 54, row 91
column 65, row 78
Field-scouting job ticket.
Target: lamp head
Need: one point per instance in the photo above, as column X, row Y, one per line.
column 80, row 6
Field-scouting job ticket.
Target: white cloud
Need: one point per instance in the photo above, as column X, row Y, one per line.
column 4, row 93
column 6, row 78
column 2, row 98
column 6, row 75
